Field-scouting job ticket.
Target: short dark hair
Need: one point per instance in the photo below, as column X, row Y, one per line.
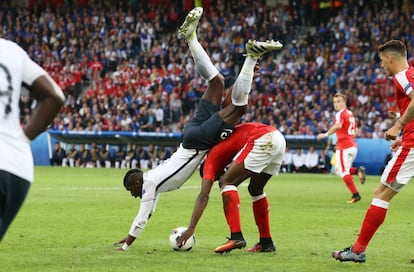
column 128, row 178
column 395, row 46
column 340, row 95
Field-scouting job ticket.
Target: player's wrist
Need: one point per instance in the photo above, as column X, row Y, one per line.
column 326, row 134
column 400, row 123
column 125, row 246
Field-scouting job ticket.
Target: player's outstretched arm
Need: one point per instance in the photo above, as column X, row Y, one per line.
column 199, row 207
column 330, row 131
column 138, row 225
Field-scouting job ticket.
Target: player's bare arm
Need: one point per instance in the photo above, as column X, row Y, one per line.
column 49, row 99
column 330, row 131
column 199, row 207
column 394, row 131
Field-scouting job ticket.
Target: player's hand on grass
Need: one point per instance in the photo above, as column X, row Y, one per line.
column 184, row 236
column 119, row 244
column 124, row 244
column 118, row 249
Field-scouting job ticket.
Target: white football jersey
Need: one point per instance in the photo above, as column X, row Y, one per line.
column 16, row 68
column 168, row 176
column 172, row 173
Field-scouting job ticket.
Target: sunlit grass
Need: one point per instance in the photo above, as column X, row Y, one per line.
column 72, row 216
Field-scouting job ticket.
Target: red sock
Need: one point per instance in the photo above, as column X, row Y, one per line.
column 261, row 216
column 374, row 217
column 349, row 182
column 353, row 170
column 231, row 205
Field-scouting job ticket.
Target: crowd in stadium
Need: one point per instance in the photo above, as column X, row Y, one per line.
column 123, row 67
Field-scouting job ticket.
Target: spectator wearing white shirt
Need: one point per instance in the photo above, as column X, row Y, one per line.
column 299, row 160
column 287, row 161
column 311, row 160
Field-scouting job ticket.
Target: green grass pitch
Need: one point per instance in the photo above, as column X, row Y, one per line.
column 72, row 216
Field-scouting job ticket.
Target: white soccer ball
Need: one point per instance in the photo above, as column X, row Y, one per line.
column 175, row 233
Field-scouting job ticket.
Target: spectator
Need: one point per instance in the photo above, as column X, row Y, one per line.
column 104, row 159
column 94, row 151
column 153, row 155
column 119, row 156
column 58, row 155
column 71, row 156
column 128, row 162
column 306, row 77
column 324, row 162
column 141, row 157
column 298, row 159
column 311, row 160
column 83, row 158
column 287, row 162
column 164, row 153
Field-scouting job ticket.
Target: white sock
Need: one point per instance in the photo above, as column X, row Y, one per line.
column 202, row 61
column 243, row 84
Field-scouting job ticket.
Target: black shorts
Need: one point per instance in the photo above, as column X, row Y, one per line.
column 13, row 191
column 206, row 129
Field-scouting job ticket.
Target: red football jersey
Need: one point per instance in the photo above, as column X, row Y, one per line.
column 403, row 84
column 346, row 134
column 222, row 153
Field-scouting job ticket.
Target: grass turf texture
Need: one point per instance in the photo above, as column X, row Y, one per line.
column 72, row 216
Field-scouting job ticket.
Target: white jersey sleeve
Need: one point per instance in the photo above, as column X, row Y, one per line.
column 32, row 71
column 148, row 203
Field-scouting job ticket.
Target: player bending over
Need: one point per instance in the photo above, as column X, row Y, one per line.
column 253, row 151
column 209, row 126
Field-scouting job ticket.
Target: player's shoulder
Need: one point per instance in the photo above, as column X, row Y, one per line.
column 9, row 45
column 410, row 73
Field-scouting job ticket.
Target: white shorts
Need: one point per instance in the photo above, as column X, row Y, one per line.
column 399, row 170
column 265, row 154
column 344, row 159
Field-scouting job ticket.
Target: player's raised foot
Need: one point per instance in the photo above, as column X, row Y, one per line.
column 257, row 49
column 230, row 245
column 262, row 248
column 188, row 28
column 354, row 199
column 361, row 174
column 347, row 255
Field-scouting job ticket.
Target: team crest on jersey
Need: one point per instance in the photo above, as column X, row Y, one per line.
column 225, row 133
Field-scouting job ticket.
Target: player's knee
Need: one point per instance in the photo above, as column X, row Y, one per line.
column 255, row 190
column 217, row 83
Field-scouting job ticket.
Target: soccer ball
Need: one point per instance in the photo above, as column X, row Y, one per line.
column 175, row 233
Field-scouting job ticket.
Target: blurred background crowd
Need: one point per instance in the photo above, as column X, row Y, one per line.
column 123, row 67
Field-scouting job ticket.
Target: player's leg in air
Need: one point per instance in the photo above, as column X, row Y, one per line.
column 211, row 122
column 194, row 135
